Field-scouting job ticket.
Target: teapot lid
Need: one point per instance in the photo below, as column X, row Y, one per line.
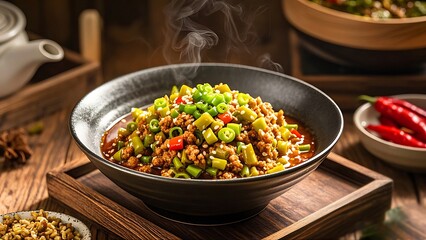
column 12, row 21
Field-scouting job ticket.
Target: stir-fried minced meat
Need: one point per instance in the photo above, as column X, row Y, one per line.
column 207, row 132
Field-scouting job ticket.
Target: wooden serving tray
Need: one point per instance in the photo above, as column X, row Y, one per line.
column 337, row 198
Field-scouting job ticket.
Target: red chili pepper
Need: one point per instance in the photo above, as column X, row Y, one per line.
column 396, row 135
column 176, row 143
column 226, row 117
column 179, row 100
column 295, row 132
column 401, row 115
column 387, row 121
column 419, row 111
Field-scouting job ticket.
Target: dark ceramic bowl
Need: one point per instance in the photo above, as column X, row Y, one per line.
column 218, row 199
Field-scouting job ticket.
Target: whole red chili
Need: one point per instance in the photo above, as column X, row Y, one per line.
column 400, row 102
column 396, row 135
column 401, row 115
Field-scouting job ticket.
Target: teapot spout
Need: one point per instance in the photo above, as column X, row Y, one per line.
column 19, row 63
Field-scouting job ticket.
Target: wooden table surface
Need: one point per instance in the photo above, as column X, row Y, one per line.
column 24, row 187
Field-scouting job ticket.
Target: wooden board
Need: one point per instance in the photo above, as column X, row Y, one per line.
column 345, row 84
column 54, row 86
column 337, row 198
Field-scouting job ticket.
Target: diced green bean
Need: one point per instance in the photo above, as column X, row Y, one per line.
column 222, row 107
column 243, row 98
column 282, row 160
column 228, row 97
column 177, row 163
column 305, row 147
column 146, row 159
column 160, row 103
column 226, row 134
column 164, row 111
column 203, row 121
column 196, row 114
column 174, row 90
column 117, row 155
column 213, row 112
column 154, row 126
column 137, row 145
column 249, row 155
column 208, row 98
column 185, row 90
column 174, row 113
column 200, row 137
column 182, row 175
column 282, row 147
column 197, row 95
column 254, row 171
column 240, row 146
column 202, row 106
column 174, row 130
column 216, row 125
column 279, row 167
column 212, row 171
column 181, row 107
column 223, row 88
column 291, row 126
column 209, row 136
column 148, row 140
column 120, row 145
column 259, row 124
column 219, row 163
column 123, row 132
column 221, row 153
column 217, row 99
column 285, row 133
column 184, row 159
column 194, row 170
column 136, row 112
column 151, row 116
column 189, row 108
column 247, row 114
column 205, row 88
column 245, row 171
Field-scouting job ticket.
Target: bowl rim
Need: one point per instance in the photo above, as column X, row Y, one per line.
column 66, row 218
column 367, row 106
column 317, row 157
column 353, row 17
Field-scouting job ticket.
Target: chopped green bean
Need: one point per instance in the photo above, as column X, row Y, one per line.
column 182, row 175
column 173, row 131
column 136, row 112
column 245, row 171
column 279, row 167
column 228, row 97
column 226, row 134
column 137, row 145
column 247, row 114
column 174, row 113
column 240, row 146
column 160, row 103
column 146, row 159
column 208, row 98
column 196, row 114
column 282, row 147
column 213, row 112
column 209, row 136
column 203, row 121
column 222, row 107
column 164, row 111
column 305, row 147
column 259, row 124
column 216, row 125
column 202, row 106
column 212, row 171
column 217, row 99
column 194, row 170
column 123, row 132
column 200, row 137
column 219, row 163
column 177, row 163
column 243, row 98
column 249, row 155
column 221, row 153
column 148, row 140
column 160, row 135
column 285, row 133
column 154, row 126
column 189, row 108
column 223, row 87
column 254, row 171
column 291, row 126
column 197, row 95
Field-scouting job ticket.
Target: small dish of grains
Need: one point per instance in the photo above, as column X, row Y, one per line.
column 42, row 224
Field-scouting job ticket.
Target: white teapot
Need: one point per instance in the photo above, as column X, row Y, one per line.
column 19, row 58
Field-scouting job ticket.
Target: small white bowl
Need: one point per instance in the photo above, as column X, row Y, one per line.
column 409, row 158
column 77, row 224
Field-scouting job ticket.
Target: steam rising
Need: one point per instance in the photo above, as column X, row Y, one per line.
column 186, row 39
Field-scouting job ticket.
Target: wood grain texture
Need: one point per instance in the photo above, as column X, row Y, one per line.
column 311, row 205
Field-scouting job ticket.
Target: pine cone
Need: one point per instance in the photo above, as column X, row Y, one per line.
column 14, row 146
